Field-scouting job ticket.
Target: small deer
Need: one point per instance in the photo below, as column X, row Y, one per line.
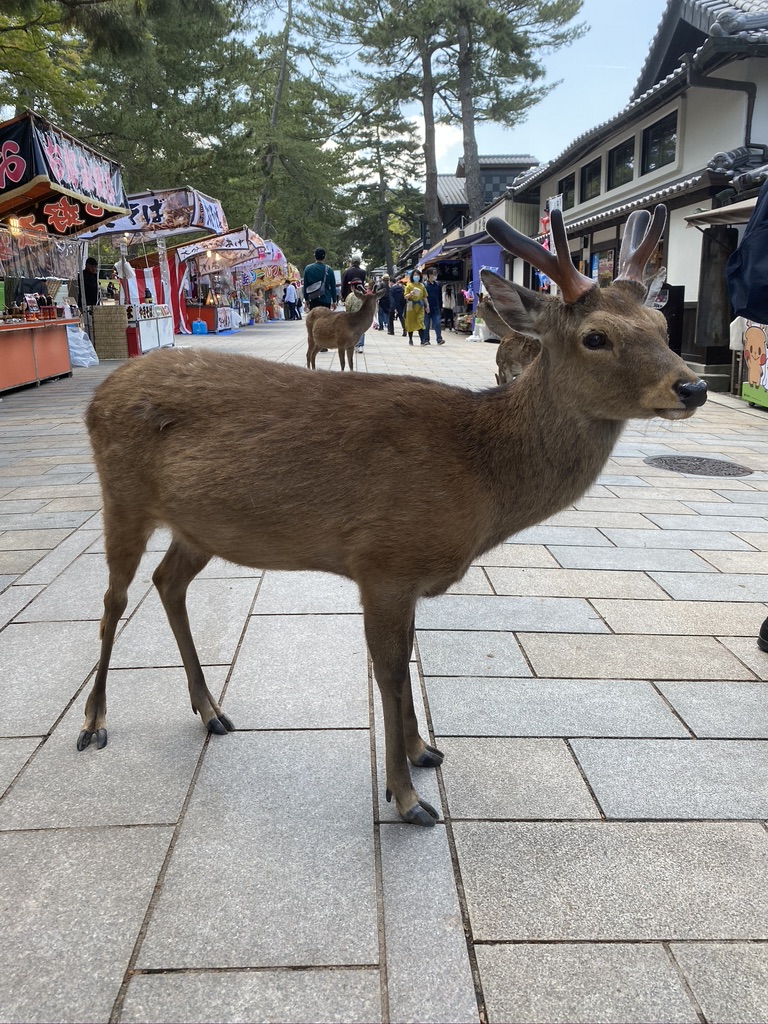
column 327, row 329
column 515, row 351
column 240, row 458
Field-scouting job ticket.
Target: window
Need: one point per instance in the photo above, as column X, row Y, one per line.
column 590, row 180
column 621, row 163
column 566, row 187
column 659, row 143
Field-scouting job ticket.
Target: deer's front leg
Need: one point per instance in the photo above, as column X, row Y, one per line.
column 389, row 634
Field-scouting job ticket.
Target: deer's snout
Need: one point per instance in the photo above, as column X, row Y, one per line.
column 691, row 393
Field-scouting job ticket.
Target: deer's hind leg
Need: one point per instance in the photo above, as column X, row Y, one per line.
column 172, row 578
column 125, row 541
column 388, row 630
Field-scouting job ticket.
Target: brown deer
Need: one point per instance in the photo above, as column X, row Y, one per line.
column 515, row 351
column 240, row 458
column 327, row 329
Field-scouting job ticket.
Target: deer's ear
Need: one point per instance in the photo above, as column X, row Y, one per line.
column 518, row 307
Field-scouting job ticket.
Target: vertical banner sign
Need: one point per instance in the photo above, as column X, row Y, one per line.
column 484, row 257
column 553, row 203
column 165, row 273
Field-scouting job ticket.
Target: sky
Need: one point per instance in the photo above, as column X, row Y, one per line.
column 597, row 73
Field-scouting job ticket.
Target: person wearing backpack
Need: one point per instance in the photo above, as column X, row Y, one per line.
column 747, row 277
column 319, row 282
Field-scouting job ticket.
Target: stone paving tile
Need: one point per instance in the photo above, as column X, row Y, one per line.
column 301, row 672
column 470, row 653
column 530, row 555
column 589, row 583
column 78, row 899
column 677, row 778
column 576, row 655
column 729, row 980
column 18, row 562
column 699, row 586
column 78, row 591
column 6, row 581
column 507, row 613
column 561, row 535
column 55, row 490
column 44, row 520
column 735, row 523
column 684, row 618
column 748, row 497
column 14, row 754
column 651, row 493
column 626, row 881
column 721, row 710
column 336, row 996
column 548, row 983
column 601, row 520
column 306, row 593
column 756, row 540
column 429, row 979
column 44, row 665
column 304, row 794
column 48, row 568
column 9, row 506
column 20, row 540
column 634, row 559
column 712, row 508
column 502, row 778
column 549, row 707
column 739, row 561
column 693, row 540
column 140, row 777
column 747, row 651
column 645, row 503
column 80, row 504
column 217, row 609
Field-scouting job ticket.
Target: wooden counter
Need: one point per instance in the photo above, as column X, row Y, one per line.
column 33, row 351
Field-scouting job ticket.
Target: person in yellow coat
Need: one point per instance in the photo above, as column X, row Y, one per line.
column 415, row 296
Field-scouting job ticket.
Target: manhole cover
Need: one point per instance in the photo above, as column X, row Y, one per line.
column 696, row 465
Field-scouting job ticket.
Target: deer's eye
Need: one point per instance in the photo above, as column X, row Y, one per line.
column 595, row 340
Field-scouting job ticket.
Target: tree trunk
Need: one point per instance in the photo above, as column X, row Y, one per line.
column 475, row 192
column 268, row 160
column 386, row 241
column 431, row 211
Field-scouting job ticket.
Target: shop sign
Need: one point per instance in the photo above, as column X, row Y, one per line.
column 165, row 213
column 83, row 187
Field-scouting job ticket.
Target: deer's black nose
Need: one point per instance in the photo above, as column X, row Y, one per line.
column 692, row 394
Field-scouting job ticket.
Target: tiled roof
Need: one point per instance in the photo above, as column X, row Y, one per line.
column 656, row 196
column 451, row 191
column 702, row 14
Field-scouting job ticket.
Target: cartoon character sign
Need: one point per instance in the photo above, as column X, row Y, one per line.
column 755, row 355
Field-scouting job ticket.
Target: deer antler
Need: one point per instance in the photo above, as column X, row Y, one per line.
column 571, row 283
column 639, row 242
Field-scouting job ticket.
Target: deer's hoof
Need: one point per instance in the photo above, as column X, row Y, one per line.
column 423, row 814
column 85, row 737
column 220, row 726
column 430, row 757
column 227, row 722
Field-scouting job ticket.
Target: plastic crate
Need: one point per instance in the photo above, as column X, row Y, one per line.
column 199, row 327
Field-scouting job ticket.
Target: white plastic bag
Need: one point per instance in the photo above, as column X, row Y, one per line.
column 81, row 351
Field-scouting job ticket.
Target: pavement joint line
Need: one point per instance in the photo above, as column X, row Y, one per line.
column 482, row 1009
column 675, row 712
column 657, row 941
column 684, row 982
column 378, row 868
column 585, row 779
column 276, row 969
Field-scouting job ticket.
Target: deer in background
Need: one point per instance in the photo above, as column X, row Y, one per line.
column 240, row 458
column 342, row 331
column 515, row 351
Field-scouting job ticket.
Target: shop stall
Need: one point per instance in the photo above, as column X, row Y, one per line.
column 52, row 188
column 215, row 296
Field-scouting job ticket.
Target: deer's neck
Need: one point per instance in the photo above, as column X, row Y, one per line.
column 540, row 451
column 362, row 317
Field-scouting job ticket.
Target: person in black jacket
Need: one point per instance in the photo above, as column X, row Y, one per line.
column 398, row 307
column 385, row 305
column 351, row 276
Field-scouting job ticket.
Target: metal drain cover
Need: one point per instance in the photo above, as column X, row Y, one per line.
column 698, row 466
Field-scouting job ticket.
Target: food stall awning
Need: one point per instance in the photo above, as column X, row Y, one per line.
column 736, row 213
column 217, row 252
column 164, row 213
column 50, row 183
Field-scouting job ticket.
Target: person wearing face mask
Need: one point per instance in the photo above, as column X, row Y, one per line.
column 416, row 308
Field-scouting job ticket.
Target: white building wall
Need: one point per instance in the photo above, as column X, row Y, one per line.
column 715, row 120
column 683, row 260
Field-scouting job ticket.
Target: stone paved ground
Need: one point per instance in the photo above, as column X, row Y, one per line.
column 595, row 684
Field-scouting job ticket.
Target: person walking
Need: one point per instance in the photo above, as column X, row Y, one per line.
column 385, row 306
column 435, row 302
column 289, row 301
column 319, row 282
column 398, row 306
column 449, row 305
column 416, row 308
